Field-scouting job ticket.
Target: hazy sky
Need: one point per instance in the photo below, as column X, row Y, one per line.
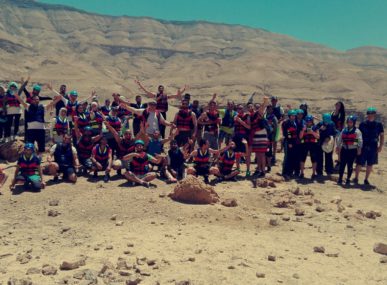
column 341, row 24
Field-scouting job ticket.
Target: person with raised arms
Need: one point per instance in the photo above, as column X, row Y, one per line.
column 227, row 160
column 186, row 124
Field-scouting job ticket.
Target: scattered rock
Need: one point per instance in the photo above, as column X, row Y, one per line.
column 133, row 281
column 283, row 202
column 109, row 247
column 320, row 209
column 129, row 244
column 11, row 151
column 113, row 217
column 380, row 248
column 260, row 275
column 340, row 208
column 383, row 259
column 22, row 281
column 33, row 270
column 273, row 222
column 319, row 249
column 231, row 267
column 332, row 254
column 23, row 258
column 372, row 215
column 193, row 190
column 65, row 229
column 299, row 211
column 53, row 213
column 296, row 276
column 230, row 203
column 286, row 218
column 119, row 223
column 271, row 258
column 184, row 282
column 53, row 203
column 66, row 265
column 336, row 200
column 49, row 270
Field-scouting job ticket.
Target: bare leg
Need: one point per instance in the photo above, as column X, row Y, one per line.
column 231, row 175
column 368, row 171
column 133, row 178
column 357, row 171
column 149, row 177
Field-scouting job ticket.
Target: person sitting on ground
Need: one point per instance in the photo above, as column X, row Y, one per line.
column 28, row 170
column 226, row 162
column 102, row 159
column 60, row 126
column 176, row 159
column 63, row 159
column 349, row 144
column 139, row 165
column 202, row 164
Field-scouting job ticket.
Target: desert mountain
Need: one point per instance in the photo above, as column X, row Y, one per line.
column 89, row 51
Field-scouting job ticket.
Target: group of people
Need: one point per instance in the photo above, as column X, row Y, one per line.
column 131, row 138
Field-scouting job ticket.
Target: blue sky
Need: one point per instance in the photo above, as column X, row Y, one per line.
column 341, row 24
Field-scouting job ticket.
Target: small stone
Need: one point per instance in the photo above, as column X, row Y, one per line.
column 260, row 275
column 380, row 248
column 65, row 229
column 151, row 262
column 319, row 249
column 320, row 209
column 24, row 258
column 273, row 222
column 372, row 215
column 286, row 218
column 124, row 273
column 53, row 203
column 49, row 270
column 33, row 270
column 340, row 208
column 119, row 223
column 231, row 267
column 184, row 282
column 192, row 259
column 230, row 203
column 296, row 276
column 133, row 281
column 113, row 217
column 53, row 213
column 109, row 247
column 22, row 281
column 383, row 259
column 66, row 265
column 299, row 211
column 271, row 258
column 130, row 244
column 333, row 254
column 336, row 200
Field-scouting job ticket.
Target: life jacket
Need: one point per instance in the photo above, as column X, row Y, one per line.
column 202, row 159
column 35, row 114
column 213, row 118
column 84, row 148
column 122, row 112
column 137, row 106
column 184, row 120
column 83, row 120
column 309, row 138
column 11, row 100
column 125, row 147
column 101, row 156
column 291, row 130
column 162, row 102
column 140, row 165
column 154, row 147
column 238, row 128
column 277, row 111
column 28, row 166
column 63, row 155
column 176, row 158
column 115, row 122
column 69, row 107
column 105, row 110
column 227, row 160
column 2, row 102
column 370, row 132
column 228, row 119
column 349, row 137
column 61, row 126
column 146, row 113
column 96, row 123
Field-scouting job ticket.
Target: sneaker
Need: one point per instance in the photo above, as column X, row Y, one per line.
column 355, row 181
column 206, row 180
column 56, row 178
column 268, row 168
column 95, row 175
column 106, row 178
column 340, row 181
column 348, row 182
column 257, row 173
column 146, row 184
column 218, row 179
column 262, row 174
column 119, row 172
column 248, row 173
column 366, row 182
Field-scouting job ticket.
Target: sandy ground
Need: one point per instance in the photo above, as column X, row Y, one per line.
column 199, row 244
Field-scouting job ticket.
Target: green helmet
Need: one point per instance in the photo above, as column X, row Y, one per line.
column 37, row 88
column 300, row 111
column 292, row 112
column 73, row 93
column 326, row 118
column 13, row 84
column 141, row 142
column 371, row 110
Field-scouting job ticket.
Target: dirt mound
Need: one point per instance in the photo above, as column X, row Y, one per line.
column 11, row 151
column 192, row 190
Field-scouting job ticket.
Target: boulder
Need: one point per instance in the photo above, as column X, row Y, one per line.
column 11, row 151
column 380, row 248
column 192, row 190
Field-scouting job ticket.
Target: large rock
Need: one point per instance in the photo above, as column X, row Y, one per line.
column 11, row 151
column 192, row 190
column 380, row 248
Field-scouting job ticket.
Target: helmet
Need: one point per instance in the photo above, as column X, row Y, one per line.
column 29, row 146
column 300, row 111
column 371, row 110
column 141, row 142
column 13, row 84
column 292, row 112
column 352, row 118
column 308, row 118
column 326, row 118
column 87, row 129
column 37, row 87
column 73, row 93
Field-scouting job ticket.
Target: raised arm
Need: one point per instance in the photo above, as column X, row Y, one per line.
column 179, row 93
column 17, row 95
column 76, row 129
column 138, row 112
column 195, row 123
column 148, row 93
column 112, row 130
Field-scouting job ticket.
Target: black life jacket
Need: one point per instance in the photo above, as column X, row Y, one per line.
column 35, row 114
column 63, row 155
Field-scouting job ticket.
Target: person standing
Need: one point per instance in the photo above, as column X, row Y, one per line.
column 227, row 124
column 136, row 118
column 186, row 124
column 3, row 114
column 289, row 132
column 13, row 112
column 211, row 120
column 373, row 141
column 338, row 116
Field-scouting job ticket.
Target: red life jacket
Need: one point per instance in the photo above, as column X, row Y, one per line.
column 213, row 118
column 291, row 130
column 12, row 101
column 1, row 102
column 115, row 123
column 162, row 102
column 83, row 121
column 125, row 147
column 349, row 137
column 61, row 127
column 69, row 107
column 84, row 148
column 227, row 161
column 202, row 159
column 184, row 120
column 140, row 165
column 101, row 156
column 105, row 110
column 238, row 128
column 309, row 138
column 28, row 166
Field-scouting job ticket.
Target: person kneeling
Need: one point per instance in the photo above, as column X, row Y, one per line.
column 176, row 159
column 139, row 165
column 226, row 163
column 101, row 158
column 63, row 158
column 28, row 170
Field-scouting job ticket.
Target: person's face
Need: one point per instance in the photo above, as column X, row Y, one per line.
column 371, row 117
column 107, row 103
column 274, row 102
column 292, row 117
column 300, row 116
column 212, row 106
column 184, row 104
column 161, row 89
column 28, row 152
column 257, row 106
column 250, row 107
column 62, row 89
column 152, row 107
column 114, row 113
column 35, row 100
column 127, row 135
column 63, row 113
column 66, row 140
column 73, row 98
column 232, row 145
column 205, row 146
column 13, row 89
column 103, row 142
column 139, row 147
column 269, row 111
column 195, row 104
column 35, row 92
column 94, row 107
column 309, row 123
column 350, row 124
column 174, row 145
column 230, row 105
column 156, row 134
column 80, row 109
column 337, row 106
column 138, row 99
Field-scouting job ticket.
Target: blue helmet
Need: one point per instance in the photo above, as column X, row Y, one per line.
column 308, row 118
column 327, row 118
column 352, row 118
column 29, row 146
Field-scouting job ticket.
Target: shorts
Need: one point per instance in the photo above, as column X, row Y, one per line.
column 225, row 136
column 104, row 165
column 239, row 146
column 202, row 170
column 311, row 148
column 86, row 162
column 66, row 170
column 124, row 164
column 183, row 137
column 225, row 172
column 269, row 152
column 212, row 139
column 141, row 176
column 369, row 156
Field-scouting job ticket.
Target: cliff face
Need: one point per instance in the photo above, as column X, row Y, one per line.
column 58, row 43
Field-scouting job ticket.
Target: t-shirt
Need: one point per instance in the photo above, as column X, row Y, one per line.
column 371, row 132
column 153, row 123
